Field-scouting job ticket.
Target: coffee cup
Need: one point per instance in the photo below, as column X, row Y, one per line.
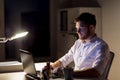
column 68, row 73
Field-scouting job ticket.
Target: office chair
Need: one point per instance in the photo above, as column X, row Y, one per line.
column 107, row 69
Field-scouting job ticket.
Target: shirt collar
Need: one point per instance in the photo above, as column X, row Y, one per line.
column 92, row 39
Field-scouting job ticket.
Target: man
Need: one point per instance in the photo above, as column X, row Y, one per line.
column 89, row 52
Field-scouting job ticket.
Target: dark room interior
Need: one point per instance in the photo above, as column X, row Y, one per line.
column 31, row 16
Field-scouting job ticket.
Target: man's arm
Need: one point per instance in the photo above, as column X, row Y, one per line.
column 57, row 64
column 86, row 73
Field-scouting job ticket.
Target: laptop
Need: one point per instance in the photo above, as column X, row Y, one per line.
column 28, row 65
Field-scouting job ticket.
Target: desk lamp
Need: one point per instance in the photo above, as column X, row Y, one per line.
column 19, row 35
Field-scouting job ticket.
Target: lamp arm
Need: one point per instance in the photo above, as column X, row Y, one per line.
column 3, row 40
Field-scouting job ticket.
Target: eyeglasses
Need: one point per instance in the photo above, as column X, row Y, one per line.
column 81, row 29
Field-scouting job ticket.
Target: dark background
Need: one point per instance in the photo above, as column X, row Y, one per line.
column 32, row 16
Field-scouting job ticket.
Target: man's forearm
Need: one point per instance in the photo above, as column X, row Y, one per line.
column 57, row 64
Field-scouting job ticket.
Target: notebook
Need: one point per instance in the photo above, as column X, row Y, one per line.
column 28, row 65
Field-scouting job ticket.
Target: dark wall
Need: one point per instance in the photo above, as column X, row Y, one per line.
column 32, row 16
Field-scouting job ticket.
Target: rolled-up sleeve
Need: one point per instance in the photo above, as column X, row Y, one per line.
column 68, row 57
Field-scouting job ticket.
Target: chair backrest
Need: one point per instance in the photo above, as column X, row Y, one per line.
column 107, row 69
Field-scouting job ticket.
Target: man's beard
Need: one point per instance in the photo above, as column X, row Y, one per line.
column 86, row 36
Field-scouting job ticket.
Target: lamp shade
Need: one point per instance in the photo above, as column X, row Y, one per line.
column 19, row 35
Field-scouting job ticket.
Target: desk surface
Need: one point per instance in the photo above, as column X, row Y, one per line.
column 21, row 76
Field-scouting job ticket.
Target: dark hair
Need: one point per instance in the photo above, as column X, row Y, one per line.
column 87, row 18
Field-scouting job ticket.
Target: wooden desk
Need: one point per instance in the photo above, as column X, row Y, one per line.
column 21, row 76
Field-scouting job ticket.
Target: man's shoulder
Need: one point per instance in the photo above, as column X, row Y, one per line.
column 100, row 40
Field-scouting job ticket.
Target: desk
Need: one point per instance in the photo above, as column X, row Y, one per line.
column 14, row 71
column 21, row 76
column 12, row 76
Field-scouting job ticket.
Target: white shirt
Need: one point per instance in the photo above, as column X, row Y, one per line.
column 92, row 54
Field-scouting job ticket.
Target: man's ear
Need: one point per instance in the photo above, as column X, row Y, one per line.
column 92, row 27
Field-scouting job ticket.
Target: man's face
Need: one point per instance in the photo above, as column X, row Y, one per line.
column 83, row 30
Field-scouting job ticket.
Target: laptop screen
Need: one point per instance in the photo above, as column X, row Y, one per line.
column 27, row 61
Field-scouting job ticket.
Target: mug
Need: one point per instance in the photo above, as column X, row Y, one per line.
column 68, row 73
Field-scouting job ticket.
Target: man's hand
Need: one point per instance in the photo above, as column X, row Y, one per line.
column 46, row 71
